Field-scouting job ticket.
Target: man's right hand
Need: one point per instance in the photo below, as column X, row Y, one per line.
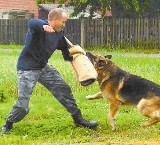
column 48, row 28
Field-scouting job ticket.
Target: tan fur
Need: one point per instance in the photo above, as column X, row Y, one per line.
column 95, row 96
column 149, row 108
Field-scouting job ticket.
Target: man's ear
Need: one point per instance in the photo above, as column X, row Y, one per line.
column 108, row 56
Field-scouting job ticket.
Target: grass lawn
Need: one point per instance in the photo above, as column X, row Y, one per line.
column 48, row 123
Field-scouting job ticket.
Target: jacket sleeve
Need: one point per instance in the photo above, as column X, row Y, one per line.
column 37, row 24
column 64, row 47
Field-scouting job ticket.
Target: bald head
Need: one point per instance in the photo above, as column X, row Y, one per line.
column 57, row 12
column 57, row 19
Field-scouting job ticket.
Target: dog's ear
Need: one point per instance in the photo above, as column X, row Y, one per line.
column 108, row 56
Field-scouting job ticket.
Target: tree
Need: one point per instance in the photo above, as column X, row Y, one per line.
column 118, row 8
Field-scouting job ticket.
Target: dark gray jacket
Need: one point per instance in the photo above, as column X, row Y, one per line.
column 40, row 45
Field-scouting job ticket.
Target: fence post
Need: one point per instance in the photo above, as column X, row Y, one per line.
column 159, row 33
column 102, row 33
column 82, row 33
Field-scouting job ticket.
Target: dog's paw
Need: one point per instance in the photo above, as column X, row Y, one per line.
column 145, row 124
column 114, row 128
column 89, row 97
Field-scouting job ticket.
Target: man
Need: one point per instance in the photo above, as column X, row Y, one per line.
column 43, row 38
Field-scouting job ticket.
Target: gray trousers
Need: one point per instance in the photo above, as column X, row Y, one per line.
column 50, row 78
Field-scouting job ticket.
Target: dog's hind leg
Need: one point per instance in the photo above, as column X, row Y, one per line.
column 150, row 108
column 95, row 96
column 155, row 117
column 151, row 122
column 114, row 107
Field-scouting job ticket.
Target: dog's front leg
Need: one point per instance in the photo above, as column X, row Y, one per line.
column 95, row 96
column 114, row 107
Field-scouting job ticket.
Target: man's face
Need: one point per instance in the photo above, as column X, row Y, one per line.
column 58, row 23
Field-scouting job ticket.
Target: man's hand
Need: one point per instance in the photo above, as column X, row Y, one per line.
column 48, row 28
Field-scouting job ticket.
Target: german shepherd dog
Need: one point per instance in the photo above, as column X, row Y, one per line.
column 122, row 88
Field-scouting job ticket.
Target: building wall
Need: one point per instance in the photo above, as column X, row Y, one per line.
column 29, row 5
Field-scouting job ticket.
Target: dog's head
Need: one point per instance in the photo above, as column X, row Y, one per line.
column 102, row 64
column 98, row 61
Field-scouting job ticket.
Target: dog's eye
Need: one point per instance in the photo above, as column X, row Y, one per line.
column 101, row 63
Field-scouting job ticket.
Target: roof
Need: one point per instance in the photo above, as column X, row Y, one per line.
column 69, row 10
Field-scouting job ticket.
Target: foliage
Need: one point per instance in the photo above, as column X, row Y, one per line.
column 90, row 5
column 44, row 1
column 118, row 8
column 49, row 123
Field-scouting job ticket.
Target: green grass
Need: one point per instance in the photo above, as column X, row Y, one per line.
column 108, row 48
column 49, row 123
column 126, row 49
column 11, row 46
